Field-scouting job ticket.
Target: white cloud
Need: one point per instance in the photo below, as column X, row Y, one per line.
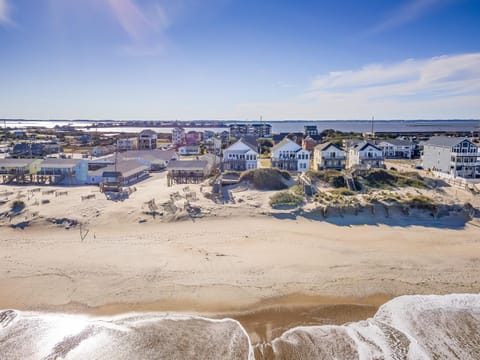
column 439, row 87
column 137, row 21
column 5, row 13
column 404, row 14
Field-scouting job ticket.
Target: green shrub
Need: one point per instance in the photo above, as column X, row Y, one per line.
column 266, row 179
column 232, row 173
column 285, row 198
column 384, row 179
column 297, row 190
column 333, row 177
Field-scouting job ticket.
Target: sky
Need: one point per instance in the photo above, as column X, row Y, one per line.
column 239, row 59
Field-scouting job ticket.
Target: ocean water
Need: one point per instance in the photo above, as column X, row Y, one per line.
column 43, row 336
column 407, row 327
column 290, row 126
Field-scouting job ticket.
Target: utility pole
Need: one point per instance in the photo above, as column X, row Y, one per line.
column 373, row 134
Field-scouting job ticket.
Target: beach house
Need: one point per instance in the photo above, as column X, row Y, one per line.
column 124, row 173
column 155, row 159
column 147, row 140
column 103, row 150
column 288, row 155
column 455, row 156
column 193, row 137
column 310, row 130
column 329, row 156
column 63, row 171
column 364, row 154
column 255, row 130
column 187, row 171
column 186, row 150
column 18, row 170
column 124, row 144
column 178, row 136
column 308, row 143
column 240, row 156
column 396, row 148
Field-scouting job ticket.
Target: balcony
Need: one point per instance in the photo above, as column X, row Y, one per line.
column 291, row 165
column 234, row 164
column 329, row 157
column 372, row 158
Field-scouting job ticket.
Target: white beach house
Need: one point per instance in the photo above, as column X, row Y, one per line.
column 288, row 155
column 240, row 156
column 364, row 154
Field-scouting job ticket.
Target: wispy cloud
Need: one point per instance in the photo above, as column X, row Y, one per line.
column 405, row 14
column 438, row 87
column 137, row 21
column 145, row 25
column 5, row 13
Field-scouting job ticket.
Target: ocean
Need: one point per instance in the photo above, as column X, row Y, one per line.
column 286, row 126
column 408, row 327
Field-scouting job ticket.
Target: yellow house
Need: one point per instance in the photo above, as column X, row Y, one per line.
column 19, row 166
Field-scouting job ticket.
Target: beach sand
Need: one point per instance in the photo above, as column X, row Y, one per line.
column 270, row 270
column 250, row 268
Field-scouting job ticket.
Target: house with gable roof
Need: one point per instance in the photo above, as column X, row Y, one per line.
column 329, row 156
column 452, row 155
column 240, row 156
column 365, row 154
column 288, row 155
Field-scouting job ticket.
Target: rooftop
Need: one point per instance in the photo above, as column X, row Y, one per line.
column 149, row 155
column 15, row 163
column 363, row 144
column 444, row 141
column 59, row 163
column 147, row 132
column 187, row 165
column 397, row 142
column 284, row 142
column 326, row 145
column 125, row 167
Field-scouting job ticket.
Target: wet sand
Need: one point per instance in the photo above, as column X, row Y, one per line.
column 264, row 320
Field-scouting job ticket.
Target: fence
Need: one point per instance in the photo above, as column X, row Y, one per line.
column 458, row 181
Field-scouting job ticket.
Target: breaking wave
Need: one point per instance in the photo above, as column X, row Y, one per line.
column 408, row 327
column 35, row 336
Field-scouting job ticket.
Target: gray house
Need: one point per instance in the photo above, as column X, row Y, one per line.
column 396, row 148
column 451, row 155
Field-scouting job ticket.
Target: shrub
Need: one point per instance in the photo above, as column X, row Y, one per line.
column 297, row 190
column 333, row 177
column 266, row 179
column 285, row 198
column 422, row 202
column 384, row 179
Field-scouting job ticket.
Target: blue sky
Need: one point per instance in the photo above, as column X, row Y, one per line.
column 227, row 59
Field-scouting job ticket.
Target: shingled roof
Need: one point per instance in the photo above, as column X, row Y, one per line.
column 444, row 141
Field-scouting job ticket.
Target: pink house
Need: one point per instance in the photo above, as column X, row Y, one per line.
column 193, row 137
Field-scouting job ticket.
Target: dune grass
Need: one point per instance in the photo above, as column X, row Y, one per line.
column 267, row 179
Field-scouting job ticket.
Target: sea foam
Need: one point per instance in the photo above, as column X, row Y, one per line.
column 29, row 335
column 407, row 327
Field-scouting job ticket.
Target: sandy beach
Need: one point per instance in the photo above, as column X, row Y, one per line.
column 271, row 270
column 248, row 266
